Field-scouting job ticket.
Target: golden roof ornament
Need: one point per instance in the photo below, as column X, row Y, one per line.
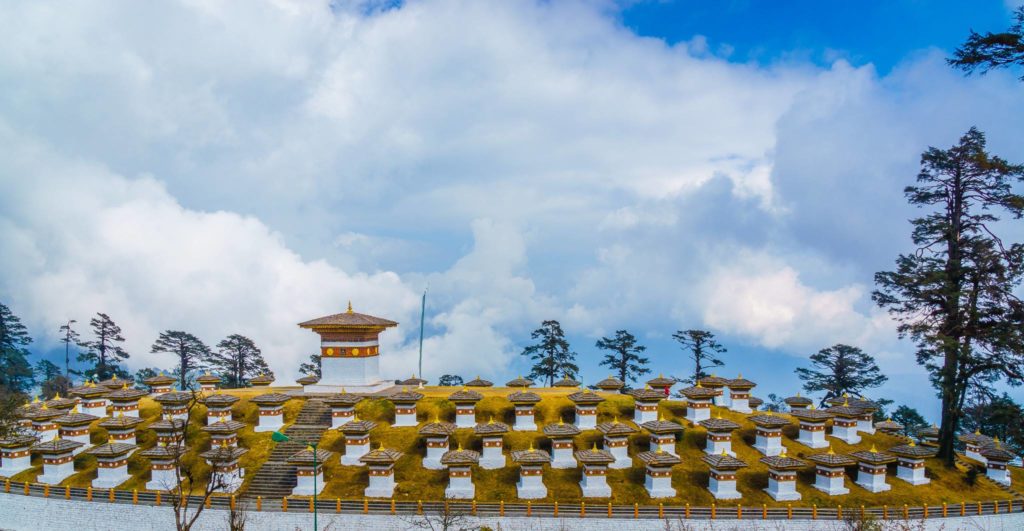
column 124, row 386
column 659, row 450
column 873, row 449
column 594, row 448
column 56, row 396
column 309, row 448
column 830, row 450
column 531, row 450
column 912, row 443
column 490, row 420
column 349, row 307
column 460, row 447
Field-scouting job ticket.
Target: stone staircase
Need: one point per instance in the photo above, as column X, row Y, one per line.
column 962, row 461
column 276, row 478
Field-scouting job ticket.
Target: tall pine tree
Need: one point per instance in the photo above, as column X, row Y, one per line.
column 841, row 369
column 703, row 351
column 314, row 366
column 237, row 360
column 954, row 294
column 69, row 337
column 15, row 370
column 993, row 50
column 551, row 355
column 104, row 353
column 190, row 351
column 624, row 356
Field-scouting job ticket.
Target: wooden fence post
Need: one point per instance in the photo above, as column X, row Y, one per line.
column 337, row 505
column 789, row 511
column 88, row 493
column 609, row 509
column 284, row 504
column 712, row 511
column 67, row 492
column 259, row 503
column 687, row 512
column 926, row 511
column 556, row 507
column 158, row 498
column 135, row 497
column 501, row 508
column 26, row 488
column 661, row 510
column 110, row 495
column 814, row 511
column 393, row 506
column 995, row 507
column 232, row 502
column 7, row 486
column 310, row 504
column 885, row 512
column 529, row 508
column 979, row 508
column 366, row 506
column 46, row 490
column 583, row 509
column 839, row 512
column 764, row 511
column 636, row 510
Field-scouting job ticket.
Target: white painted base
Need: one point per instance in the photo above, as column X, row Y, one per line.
column 718, row 447
column 531, row 488
column 268, row 423
column 659, row 487
column 465, row 420
column 914, row 476
column 668, row 447
column 847, row 435
column 562, row 458
column 84, row 439
column 696, row 415
column 54, row 474
column 460, row 488
column 432, row 461
column 328, row 388
column 831, row 486
column 304, row 485
column 524, row 423
column 722, row 400
column 641, row 417
column 161, row 480
column 782, row 490
column 812, row 439
column 723, row 490
column 866, row 426
column 769, row 446
column 492, row 458
column 98, row 411
column 621, row 455
column 380, row 487
column 405, row 420
column 973, row 454
column 740, row 405
column 108, row 478
column 353, row 452
column 595, row 487
column 999, row 476
column 872, row 482
column 586, row 422
column 13, row 466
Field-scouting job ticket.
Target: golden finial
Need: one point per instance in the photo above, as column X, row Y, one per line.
column 846, row 395
column 221, row 419
column 56, row 436
column 74, row 409
column 659, row 450
column 355, row 417
column 124, row 386
column 783, row 454
column 873, row 449
column 561, row 421
column 740, row 376
column 798, row 394
column 616, row 421
column 120, row 414
column 161, row 444
column 698, row 386
column 491, row 420
column 647, row 386
column 977, row 431
column 460, row 447
column 661, row 416
column 846, row 402
column 912, row 443
column 349, row 307
column 380, row 446
column 812, row 407
column 224, row 443
column 830, row 450
column 718, row 414
column 436, row 418
column 114, row 378
column 594, row 448
column 531, row 450
column 43, row 406
column 309, row 448
column 35, row 400
column 56, row 396
column 723, row 452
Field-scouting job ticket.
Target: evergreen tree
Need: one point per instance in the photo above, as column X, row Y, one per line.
column 775, row 403
column 449, row 380
column 841, row 369
column 15, row 371
column 69, row 337
column 995, row 416
column 104, row 353
column 189, row 349
column 238, row 360
column 51, row 380
column 954, row 295
column 314, row 366
column 992, row 50
column 144, row 373
column 703, row 350
column 911, row 420
column 551, row 355
column 624, row 357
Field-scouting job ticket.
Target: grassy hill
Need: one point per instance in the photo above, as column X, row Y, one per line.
column 416, row 483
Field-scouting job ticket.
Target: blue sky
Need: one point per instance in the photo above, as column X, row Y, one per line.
column 239, row 167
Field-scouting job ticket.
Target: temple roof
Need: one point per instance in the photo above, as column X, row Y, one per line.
column 162, row 451
column 566, row 382
column 174, row 397
column 308, row 379
column 798, row 400
column 519, row 382
column 976, row 439
column 523, row 397
column 89, row 390
column 126, row 395
column 381, row 456
column 262, row 379
column 561, row 429
column 465, row 396
column 120, row 422
column 460, row 457
column 615, row 428
column 160, row 379
column 357, row 427
column 659, row 458
column 873, row 457
column 45, row 413
column 56, row 446
column 61, row 403
column 997, row 453
column 305, row 457
column 700, row 392
column 17, row 441
column 208, row 378
column 930, row 431
column 661, row 381
column 811, row 414
column 168, row 425
column 111, row 449
column 594, row 457
column 75, row 418
column 413, row 381
column 831, row 458
column 490, row 428
column 845, row 411
column 783, row 462
column 755, row 402
column 723, row 462
column 888, row 425
column 610, row 383
column 219, row 399
column 647, row 394
column 438, row 428
column 768, row 420
column 532, row 456
column 224, row 453
column 350, row 319
column 270, row 399
column 406, row 397
column 223, row 426
column 116, row 383
column 719, row 425
column 343, row 399
column 662, row 426
column 585, row 397
column 713, row 381
column 479, row 382
column 913, row 450
column 740, row 383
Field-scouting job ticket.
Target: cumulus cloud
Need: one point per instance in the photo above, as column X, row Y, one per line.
column 240, row 166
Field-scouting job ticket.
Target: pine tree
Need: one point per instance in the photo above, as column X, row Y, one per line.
column 238, row 360
column 104, row 353
column 551, row 355
column 189, row 349
column 624, row 357
column 69, row 337
column 841, row 369
column 15, row 371
column 449, row 380
column 992, row 50
column 954, row 295
column 51, row 380
column 911, row 420
column 314, row 366
column 703, row 349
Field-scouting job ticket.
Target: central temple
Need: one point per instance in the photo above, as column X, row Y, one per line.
column 349, row 352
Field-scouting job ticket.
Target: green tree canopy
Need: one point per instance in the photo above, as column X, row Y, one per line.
column 237, row 360
column 841, row 369
column 954, row 294
column 624, row 356
column 992, row 50
column 104, row 352
column 189, row 349
column 551, row 355
column 703, row 350
column 15, row 370
column 314, row 366
column 911, row 420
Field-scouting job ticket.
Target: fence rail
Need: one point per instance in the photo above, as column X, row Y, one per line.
column 527, row 509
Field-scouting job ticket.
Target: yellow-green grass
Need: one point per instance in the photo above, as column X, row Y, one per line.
column 259, row 445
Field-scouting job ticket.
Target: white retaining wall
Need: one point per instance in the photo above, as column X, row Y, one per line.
column 32, row 513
